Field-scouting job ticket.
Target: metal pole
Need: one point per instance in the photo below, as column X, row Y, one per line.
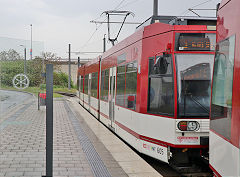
column 43, row 65
column 78, row 79
column 69, row 67
column 25, row 58
column 100, row 82
column 155, row 8
column 79, row 62
column 49, row 120
column 38, row 102
column 104, row 43
column 218, row 6
column 31, row 43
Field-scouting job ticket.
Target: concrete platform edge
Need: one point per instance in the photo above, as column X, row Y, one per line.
column 133, row 165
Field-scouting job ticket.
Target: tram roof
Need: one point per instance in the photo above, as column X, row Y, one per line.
column 180, row 20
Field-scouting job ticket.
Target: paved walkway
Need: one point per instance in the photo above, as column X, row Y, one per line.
column 22, row 141
column 10, row 99
column 77, row 149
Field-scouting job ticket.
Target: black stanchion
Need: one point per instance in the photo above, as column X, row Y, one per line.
column 49, row 120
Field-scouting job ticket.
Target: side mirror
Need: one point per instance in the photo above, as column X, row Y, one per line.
column 161, row 65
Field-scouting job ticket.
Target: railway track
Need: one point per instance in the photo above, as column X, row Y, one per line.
column 200, row 169
column 66, row 94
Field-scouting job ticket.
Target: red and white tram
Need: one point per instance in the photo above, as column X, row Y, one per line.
column 225, row 102
column 153, row 88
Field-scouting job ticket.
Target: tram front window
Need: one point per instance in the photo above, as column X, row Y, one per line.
column 160, row 91
column 194, row 74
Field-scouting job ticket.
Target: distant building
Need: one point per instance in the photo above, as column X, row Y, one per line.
column 12, row 43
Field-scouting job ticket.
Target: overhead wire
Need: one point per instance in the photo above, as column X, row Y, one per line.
column 116, row 8
column 129, row 3
column 98, row 27
column 186, row 11
column 201, row 3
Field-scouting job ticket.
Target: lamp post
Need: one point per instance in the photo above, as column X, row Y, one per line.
column 69, row 67
column 31, row 43
column 25, row 56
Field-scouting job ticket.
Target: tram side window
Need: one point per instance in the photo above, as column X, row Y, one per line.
column 81, row 84
column 86, row 84
column 131, row 85
column 104, row 85
column 120, row 85
column 160, row 91
column 221, row 108
column 94, row 84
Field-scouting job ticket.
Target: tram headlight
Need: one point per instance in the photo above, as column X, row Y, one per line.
column 188, row 125
column 193, row 126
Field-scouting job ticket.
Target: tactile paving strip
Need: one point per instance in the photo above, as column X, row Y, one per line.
column 96, row 163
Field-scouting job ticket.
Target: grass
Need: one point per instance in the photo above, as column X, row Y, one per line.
column 33, row 90
column 65, row 90
column 36, row 90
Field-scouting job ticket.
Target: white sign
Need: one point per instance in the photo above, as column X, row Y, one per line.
column 20, row 81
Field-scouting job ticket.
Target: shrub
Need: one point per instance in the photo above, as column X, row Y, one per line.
column 8, row 69
column 60, row 79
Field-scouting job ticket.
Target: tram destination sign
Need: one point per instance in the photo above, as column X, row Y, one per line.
column 194, row 44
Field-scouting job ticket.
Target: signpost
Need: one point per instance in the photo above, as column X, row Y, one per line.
column 69, row 67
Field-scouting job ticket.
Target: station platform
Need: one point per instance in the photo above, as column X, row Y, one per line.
column 82, row 145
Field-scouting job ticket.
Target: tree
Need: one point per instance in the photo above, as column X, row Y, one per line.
column 11, row 54
column 49, row 56
column 4, row 55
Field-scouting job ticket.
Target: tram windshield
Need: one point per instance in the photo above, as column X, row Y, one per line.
column 194, row 74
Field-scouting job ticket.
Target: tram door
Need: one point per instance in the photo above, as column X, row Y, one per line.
column 89, row 90
column 79, row 86
column 112, row 84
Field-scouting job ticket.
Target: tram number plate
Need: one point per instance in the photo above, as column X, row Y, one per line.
column 152, row 148
column 160, row 151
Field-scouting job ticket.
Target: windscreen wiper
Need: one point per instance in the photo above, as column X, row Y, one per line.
column 184, row 96
column 199, row 104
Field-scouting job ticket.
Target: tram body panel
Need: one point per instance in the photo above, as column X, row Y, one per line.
column 153, row 135
column 81, row 96
column 86, row 101
column 126, row 127
column 225, row 124
column 104, row 112
column 224, row 158
column 80, row 76
column 94, row 106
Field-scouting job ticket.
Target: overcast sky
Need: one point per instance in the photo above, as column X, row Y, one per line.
column 60, row 22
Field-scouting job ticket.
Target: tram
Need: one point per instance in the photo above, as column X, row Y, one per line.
column 225, row 102
column 153, row 88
